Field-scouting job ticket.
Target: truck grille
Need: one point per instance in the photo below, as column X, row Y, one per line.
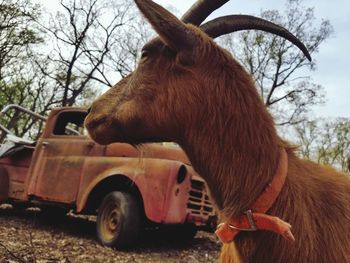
column 198, row 202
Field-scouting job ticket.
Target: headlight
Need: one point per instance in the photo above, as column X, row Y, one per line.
column 181, row 174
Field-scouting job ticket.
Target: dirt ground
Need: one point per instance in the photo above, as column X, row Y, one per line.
column 27, row 236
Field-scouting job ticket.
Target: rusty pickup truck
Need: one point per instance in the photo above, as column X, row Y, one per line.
column 128, row 188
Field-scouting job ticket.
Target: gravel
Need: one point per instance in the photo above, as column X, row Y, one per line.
column 26, row 236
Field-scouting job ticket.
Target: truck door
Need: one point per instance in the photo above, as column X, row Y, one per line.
column 59, row 159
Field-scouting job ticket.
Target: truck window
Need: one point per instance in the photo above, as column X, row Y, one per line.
column 70, row 123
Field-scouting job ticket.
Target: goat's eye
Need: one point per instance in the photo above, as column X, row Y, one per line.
column 144, row 54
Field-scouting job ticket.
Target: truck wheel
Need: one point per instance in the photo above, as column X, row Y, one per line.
column 118, row 220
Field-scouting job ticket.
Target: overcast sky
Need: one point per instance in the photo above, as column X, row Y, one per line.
column 333, row 59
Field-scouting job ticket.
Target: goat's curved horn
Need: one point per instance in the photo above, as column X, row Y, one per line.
column 200, row 10
column 232, row 23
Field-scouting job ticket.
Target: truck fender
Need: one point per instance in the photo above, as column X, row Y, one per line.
column 83, row 197
column 4, row 184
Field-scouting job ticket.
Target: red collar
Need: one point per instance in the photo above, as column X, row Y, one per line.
column 256, row 218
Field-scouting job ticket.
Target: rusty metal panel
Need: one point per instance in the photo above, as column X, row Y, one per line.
column 148, row 150
column 121, row 150
column 156, row 186
column 19, row 159
column 16, row 167
column 16, row 173
column 151, row 176
column 177, row 197
column 57, row 170
column 59, row 179
column 16, row 190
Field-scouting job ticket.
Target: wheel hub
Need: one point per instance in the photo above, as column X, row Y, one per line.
column 111, row 222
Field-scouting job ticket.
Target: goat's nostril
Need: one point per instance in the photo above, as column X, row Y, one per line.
column 88, row 110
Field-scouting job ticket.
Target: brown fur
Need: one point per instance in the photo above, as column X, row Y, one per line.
column 205, row 101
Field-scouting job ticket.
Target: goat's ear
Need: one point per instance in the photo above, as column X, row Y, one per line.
column 170, row 29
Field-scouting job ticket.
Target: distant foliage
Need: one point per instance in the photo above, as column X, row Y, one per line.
column 325, row 141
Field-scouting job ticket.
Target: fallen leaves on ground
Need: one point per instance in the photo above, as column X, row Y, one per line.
column 26, row 237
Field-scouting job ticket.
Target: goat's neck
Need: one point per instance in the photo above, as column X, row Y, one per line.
column 235, row 149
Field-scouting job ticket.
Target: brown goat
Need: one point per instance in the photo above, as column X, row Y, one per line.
column 189, row 90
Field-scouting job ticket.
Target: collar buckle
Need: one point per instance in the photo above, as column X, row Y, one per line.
column 251, row 221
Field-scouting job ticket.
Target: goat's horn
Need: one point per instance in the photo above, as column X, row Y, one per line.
column 200, row 10
column 228, row 24
column 170, row 29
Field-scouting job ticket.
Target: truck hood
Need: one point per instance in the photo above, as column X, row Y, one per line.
column 148, row 150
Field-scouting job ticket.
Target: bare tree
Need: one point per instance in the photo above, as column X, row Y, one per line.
column 79, row 50
column 83, row 34
column 124, row 56
column 281, row 70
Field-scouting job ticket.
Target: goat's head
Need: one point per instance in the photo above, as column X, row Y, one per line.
column 175, row 69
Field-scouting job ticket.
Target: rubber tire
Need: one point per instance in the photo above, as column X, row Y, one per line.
column 118, row 220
